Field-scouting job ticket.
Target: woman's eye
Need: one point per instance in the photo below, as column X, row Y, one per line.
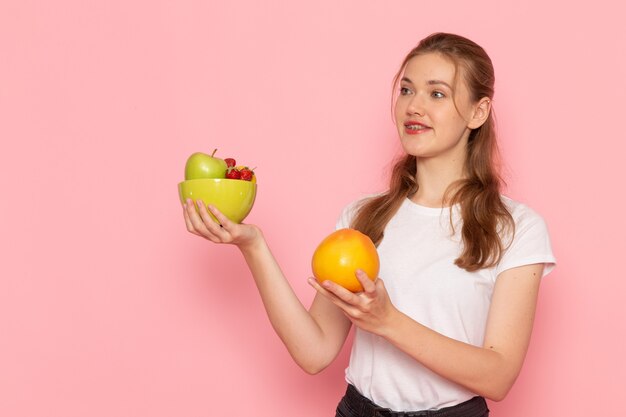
column 438, row 94
column 404, row 91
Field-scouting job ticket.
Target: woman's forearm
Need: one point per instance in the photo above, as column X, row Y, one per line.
column 481, row 370
column 314, row 337
column 297, row 328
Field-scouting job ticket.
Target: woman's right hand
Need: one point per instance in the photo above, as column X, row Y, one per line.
column 199, row 222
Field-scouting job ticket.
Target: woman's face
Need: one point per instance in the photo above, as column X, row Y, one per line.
column 428, row 122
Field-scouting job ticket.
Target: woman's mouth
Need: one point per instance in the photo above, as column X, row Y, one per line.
column 415, row 128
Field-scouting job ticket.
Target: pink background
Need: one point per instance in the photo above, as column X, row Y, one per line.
column 108, row 307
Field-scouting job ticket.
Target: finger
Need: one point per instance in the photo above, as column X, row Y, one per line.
column 342, row 293
column 368, row 285
column 380, row 285
column 208, row 220
column 192, row 215
column 198, row 224
column 315, row 284
column 331, row 296
column 225, row 222
column 188, row 223
column 211, row 225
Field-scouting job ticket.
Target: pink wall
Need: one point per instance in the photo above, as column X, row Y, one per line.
column 108, row 307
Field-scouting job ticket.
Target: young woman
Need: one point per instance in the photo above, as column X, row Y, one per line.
column 449, row 320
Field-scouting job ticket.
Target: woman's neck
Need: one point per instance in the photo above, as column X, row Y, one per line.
column 433, row 180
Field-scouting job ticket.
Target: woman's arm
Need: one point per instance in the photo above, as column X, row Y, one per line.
column 314, row 337
column 489, row 370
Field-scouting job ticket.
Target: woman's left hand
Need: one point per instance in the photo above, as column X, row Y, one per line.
column 370, row 309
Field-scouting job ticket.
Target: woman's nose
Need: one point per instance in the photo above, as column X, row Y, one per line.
column 416, row 106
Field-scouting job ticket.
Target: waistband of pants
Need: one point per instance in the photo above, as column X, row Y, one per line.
column 474, row 407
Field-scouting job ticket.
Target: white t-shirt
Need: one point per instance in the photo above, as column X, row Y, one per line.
column 417, row 257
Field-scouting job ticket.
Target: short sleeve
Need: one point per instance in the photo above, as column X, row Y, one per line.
column 349, row 211
column 531, row 243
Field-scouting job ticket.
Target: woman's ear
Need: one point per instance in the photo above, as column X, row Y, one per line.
column 481, row 113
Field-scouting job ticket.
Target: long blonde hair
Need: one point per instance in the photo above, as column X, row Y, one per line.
column 485, row 216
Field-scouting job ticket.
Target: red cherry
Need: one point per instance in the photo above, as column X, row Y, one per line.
column 233, row 174
column 230, row 162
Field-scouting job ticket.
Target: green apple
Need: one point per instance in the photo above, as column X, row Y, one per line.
column 201, row 165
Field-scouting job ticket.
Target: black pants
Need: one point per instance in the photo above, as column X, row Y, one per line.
column 353, row 404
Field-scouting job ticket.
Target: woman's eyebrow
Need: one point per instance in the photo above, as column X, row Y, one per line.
column 434, row 82
column 429, row 82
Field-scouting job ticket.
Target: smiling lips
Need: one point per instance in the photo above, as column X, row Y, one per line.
column 415, row 128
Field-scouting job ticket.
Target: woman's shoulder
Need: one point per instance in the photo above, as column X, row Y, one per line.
column 527, row 221
column 530, row 242
column 351, row 209
column 521, row 212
